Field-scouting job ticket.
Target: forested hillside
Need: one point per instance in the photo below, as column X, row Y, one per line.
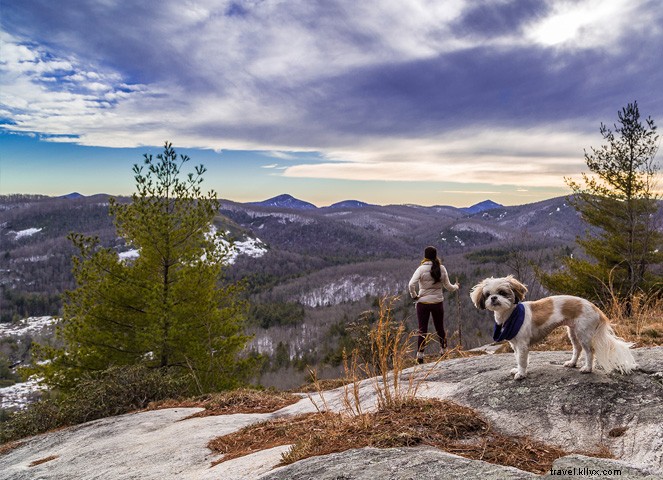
column 317, row 269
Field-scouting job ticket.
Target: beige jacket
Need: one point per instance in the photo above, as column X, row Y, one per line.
column 429, row 291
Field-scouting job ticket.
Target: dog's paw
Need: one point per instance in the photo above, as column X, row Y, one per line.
column 519, row 376
column 586, row 369
column 513, row 371
column 570, row 364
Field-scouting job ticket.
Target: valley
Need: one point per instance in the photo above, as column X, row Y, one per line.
column 309, row 273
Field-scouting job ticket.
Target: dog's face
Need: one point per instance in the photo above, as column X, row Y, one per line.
column 497, row 294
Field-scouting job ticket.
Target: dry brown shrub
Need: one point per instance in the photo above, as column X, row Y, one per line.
column 273, row 433
column 386, row 352
column 644, row 327
column 231, row 402
column 641, row 321
column 438, row 423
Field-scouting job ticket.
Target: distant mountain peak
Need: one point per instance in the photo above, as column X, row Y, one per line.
column 285, row 201
column 481, row 206
column 350, row 204
column 72, row 195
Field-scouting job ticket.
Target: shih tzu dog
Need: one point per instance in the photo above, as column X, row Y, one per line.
column 524, row 323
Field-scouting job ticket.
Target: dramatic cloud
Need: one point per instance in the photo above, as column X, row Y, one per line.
column 493, row 92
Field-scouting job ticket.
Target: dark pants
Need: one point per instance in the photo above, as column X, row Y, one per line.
column 424, row 311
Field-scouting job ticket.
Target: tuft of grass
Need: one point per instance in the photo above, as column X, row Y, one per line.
column 315, row 385
column 43, row 460
column 243, row 400
column 645, row 314
column 438, row 423
column 385, row 353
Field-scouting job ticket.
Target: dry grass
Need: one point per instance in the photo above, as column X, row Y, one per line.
column 388, row 352
column 231, row 402
column 316, row 384
column 442, row 424
column 9, row 446
column 644, row 327
column 43, row 460
column 401, row 419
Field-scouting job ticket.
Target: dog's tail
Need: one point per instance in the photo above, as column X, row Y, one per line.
column 610, row 351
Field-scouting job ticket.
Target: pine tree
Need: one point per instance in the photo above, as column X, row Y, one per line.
column 165, row 308
column 619, row 202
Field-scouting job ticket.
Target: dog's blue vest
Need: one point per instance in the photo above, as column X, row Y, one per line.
column 511, row 327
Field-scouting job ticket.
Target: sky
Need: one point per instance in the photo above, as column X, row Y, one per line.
column 446, row 102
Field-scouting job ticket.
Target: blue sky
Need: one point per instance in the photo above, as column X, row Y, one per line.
column 410, row 101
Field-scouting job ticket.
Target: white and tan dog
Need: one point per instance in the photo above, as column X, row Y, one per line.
column 588, row 327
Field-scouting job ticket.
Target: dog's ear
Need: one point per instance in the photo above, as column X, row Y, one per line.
column 476, row 294
column 519, row 290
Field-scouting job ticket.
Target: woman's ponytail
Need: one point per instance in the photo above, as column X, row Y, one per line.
column 436, row 272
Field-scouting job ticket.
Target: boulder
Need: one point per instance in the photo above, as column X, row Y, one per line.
column 620, row 415
column 581, row 412
column 418, row 463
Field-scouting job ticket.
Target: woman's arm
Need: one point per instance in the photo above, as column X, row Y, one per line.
column 414, row 281
column 445, row 280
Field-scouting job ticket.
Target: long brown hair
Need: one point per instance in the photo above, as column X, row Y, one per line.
column 430, row 253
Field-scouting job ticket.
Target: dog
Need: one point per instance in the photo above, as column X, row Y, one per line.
column 526, row 323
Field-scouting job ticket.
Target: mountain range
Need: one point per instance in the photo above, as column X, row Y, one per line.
column 35, row 255
column 310, row 272
column 286, row 201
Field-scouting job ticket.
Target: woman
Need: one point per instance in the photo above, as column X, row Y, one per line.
column 432, row 278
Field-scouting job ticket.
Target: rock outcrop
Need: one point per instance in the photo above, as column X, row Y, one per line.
column 579, row 412
column 563, row 406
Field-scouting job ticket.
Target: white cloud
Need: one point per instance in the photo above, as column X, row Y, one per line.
column 473, row 192
column 247, row 82
column 528, row 158
column 281, row 155
column 75, row 104
column 587, row 24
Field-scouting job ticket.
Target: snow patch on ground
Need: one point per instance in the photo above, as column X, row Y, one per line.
column 19, row 395
column 478, row 228
column 349, row 288
column 283, row 218
column 28, row 232
column 26, row 326
column 38, row 258
column 129, row 254
column 251, row 247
